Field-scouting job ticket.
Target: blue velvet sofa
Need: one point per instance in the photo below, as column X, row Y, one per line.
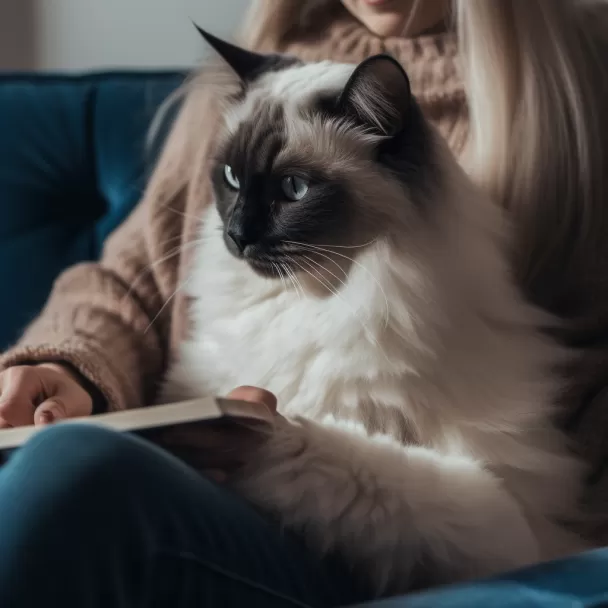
column 73, row 163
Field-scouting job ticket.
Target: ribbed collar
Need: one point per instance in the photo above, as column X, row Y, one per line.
column 431, row 61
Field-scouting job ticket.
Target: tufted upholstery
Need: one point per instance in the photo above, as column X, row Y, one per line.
column 73, row 163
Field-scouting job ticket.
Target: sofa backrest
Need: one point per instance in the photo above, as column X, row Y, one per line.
column 73, row 163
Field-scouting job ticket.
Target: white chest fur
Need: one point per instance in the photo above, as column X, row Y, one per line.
column 389, row 351
column 318, row 355
column 461, row 368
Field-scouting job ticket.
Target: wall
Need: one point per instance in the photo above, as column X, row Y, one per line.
column 17, row 35
column 97, row 34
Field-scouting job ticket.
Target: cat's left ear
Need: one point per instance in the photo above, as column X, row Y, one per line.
column 378, row 95
column 246, row 64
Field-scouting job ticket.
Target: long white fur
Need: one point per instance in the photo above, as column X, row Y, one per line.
column 469, row 472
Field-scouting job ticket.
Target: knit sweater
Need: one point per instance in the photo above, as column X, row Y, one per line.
column 118, row 321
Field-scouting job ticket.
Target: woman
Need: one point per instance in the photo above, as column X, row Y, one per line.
column 128, row 523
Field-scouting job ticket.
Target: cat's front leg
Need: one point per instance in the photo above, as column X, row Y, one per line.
column 387, row 508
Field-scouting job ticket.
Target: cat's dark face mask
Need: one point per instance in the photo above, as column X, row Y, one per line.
column 320, row 160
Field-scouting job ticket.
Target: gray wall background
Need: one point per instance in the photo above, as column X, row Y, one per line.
column 17, row 36
column 76, row 35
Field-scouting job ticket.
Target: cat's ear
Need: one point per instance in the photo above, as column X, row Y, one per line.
column 244, row 63
column 378, row 95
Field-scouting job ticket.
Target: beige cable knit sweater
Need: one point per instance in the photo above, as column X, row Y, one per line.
column 118, row 320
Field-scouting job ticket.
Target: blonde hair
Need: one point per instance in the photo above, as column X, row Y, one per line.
column 537, row 99
column 536, row 90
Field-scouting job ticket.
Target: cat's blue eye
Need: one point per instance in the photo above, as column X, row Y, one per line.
column 294, row 187
column 231, row 179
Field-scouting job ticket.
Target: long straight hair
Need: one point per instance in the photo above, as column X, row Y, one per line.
column 538, row 109
column 536, row 90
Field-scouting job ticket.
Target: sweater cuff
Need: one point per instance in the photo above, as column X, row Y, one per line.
column 89, row 362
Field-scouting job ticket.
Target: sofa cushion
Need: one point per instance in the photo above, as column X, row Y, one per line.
column 73, row 163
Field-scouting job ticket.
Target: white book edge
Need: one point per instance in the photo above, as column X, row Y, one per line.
column 155, row 416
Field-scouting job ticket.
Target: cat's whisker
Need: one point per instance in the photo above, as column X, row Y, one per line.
column 274, row 266
column 331, row 289
column 167, row 302
column 285, row 277
column 288, row 277
column 289, row 274
column 299, row 288
column 315, row 275
column 320, row 280
column 171, row 254
column 353, row 312
column 277, row 267
column 317, row 249
column 176, row 237
column 183, row 214
column 343, row 283
column 323, row 255
column 292, row 274
column 351, row 246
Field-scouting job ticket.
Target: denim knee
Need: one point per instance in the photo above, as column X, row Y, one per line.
column 77, row 458
column 69, row 443
column 80, row 458
column 71, row 516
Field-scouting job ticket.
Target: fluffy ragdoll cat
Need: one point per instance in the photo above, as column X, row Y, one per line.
column 350, row 266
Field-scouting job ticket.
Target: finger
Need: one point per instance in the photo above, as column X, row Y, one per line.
column 65, row 399
column 16, row 412
column 78, row 402
column 50, row 411
column 255, row 395
column 20, row 390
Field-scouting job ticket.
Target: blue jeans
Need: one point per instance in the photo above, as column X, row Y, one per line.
column 91, row 518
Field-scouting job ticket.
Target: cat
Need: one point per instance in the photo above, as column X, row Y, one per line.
column 349, row 265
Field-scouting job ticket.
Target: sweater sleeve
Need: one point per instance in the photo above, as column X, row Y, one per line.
column 109, row 320
column 113, row 321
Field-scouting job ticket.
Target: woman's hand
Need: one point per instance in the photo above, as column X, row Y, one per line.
column 219, row 449
column 41, row 394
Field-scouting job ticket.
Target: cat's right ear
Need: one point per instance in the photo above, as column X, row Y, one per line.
column 378, row 95
column 246, row 64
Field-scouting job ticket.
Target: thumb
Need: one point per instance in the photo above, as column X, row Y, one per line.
column 255, row 395
column 20, row 390
column 51, row 410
